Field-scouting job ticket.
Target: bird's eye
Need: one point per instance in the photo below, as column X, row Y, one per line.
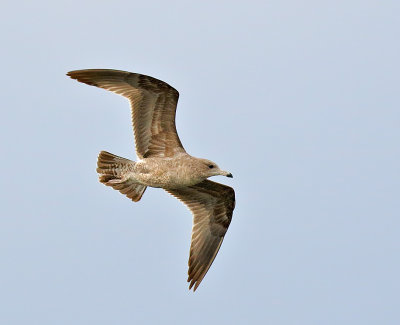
column 210, row 166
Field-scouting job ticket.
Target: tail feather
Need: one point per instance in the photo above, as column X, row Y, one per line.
column 112, row 170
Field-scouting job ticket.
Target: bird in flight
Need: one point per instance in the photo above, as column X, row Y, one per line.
column 164, row 163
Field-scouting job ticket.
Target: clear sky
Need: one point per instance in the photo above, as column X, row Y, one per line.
column 299, row 100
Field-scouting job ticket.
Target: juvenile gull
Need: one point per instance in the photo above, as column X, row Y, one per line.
column 163, row 162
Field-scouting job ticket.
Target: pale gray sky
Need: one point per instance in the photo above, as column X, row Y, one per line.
column 298, row 99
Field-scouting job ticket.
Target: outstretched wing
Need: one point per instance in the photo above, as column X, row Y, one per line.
column 212, row 206
column 153, row 104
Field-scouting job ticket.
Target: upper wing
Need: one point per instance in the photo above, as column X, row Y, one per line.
column 153, row 104
column 212, row 206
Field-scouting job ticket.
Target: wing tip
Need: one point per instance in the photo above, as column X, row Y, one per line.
column 74, row 74
column 194, row 283
column 70, row 74
column 82, row 76
column 196, row 277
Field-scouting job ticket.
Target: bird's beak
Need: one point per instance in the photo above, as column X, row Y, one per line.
column 228, row 175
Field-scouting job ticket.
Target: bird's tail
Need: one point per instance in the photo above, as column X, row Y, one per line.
column 112, row 168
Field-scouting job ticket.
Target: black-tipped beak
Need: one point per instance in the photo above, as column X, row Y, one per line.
column 229, row 175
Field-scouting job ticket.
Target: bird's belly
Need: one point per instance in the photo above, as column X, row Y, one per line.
column 171, row 179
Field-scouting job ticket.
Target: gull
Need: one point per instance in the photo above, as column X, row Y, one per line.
column 163, row 163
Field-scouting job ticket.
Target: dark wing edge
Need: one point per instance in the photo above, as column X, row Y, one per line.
column 212, row 206
column 104, row 77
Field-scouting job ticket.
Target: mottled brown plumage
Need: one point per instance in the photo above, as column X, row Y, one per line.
column 212, row 206
column 153, row 104
column 164, row 163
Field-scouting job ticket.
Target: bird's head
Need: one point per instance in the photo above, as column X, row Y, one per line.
column 209, row 168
